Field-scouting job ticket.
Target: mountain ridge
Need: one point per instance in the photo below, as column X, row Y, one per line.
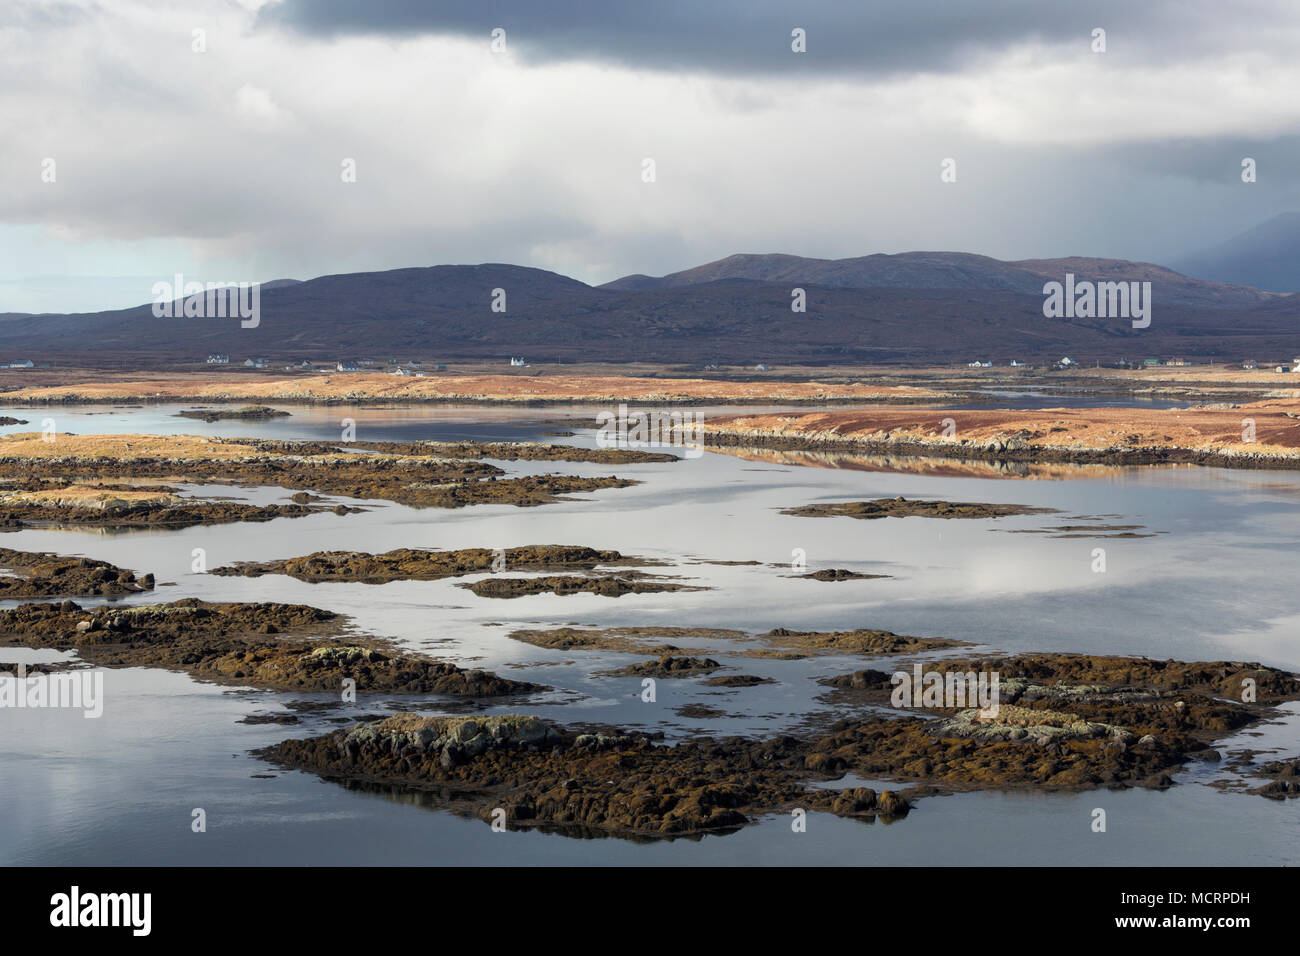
column 447, row 313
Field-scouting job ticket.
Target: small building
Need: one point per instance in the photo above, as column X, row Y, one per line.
column 975, row 364
column 347, row 367
column 517, row 362
column 1250, row 365
column 25, row 363
column 1176, row 362
column 256, row 363
column 1150, row 363
column 760, row 367
column 218, row 359
column 1284, row 368
column 1016, row 363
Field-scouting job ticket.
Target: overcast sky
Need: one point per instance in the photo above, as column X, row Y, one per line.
column 227, row 164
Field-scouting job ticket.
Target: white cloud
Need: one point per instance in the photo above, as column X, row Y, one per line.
column 232, row 157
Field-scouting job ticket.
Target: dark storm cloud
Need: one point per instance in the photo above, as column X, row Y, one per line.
column 753, row 36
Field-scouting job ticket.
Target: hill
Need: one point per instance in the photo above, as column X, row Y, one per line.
column 444, row 313
column 1266, row 257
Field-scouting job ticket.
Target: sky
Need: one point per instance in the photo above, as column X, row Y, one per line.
column 135, row 148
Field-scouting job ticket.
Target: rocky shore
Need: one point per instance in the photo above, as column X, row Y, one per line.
column 269, row 646
column 80, row 505
column 527, row 772
column 1074, row 721
column 1066, row 722
column 32, row 574
column 419, row 480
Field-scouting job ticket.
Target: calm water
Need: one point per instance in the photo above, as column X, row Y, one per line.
column 1217, row 581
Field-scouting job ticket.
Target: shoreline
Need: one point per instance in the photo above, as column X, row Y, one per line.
column 1264, row 435
column 1000, row 454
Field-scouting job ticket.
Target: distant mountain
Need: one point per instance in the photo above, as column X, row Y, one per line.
column 947, row 270
column 445, row 313
column 1266, row 257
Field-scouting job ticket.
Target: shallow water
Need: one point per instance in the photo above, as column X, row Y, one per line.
column 1217, row 581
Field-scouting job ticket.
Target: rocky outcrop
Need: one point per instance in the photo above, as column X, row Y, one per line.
column 1134, row 727
column 527, row 772
column 865, row 641
column 667, row 666
column 839, row 574
column 415, row 564
column 605, row 586
column 416, row 480
column 30, row 574
column 901, row 507
column 248, row 413
column 271, row 646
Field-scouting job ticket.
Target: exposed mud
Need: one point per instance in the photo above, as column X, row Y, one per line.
column 270, row 646
column 35, row 574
